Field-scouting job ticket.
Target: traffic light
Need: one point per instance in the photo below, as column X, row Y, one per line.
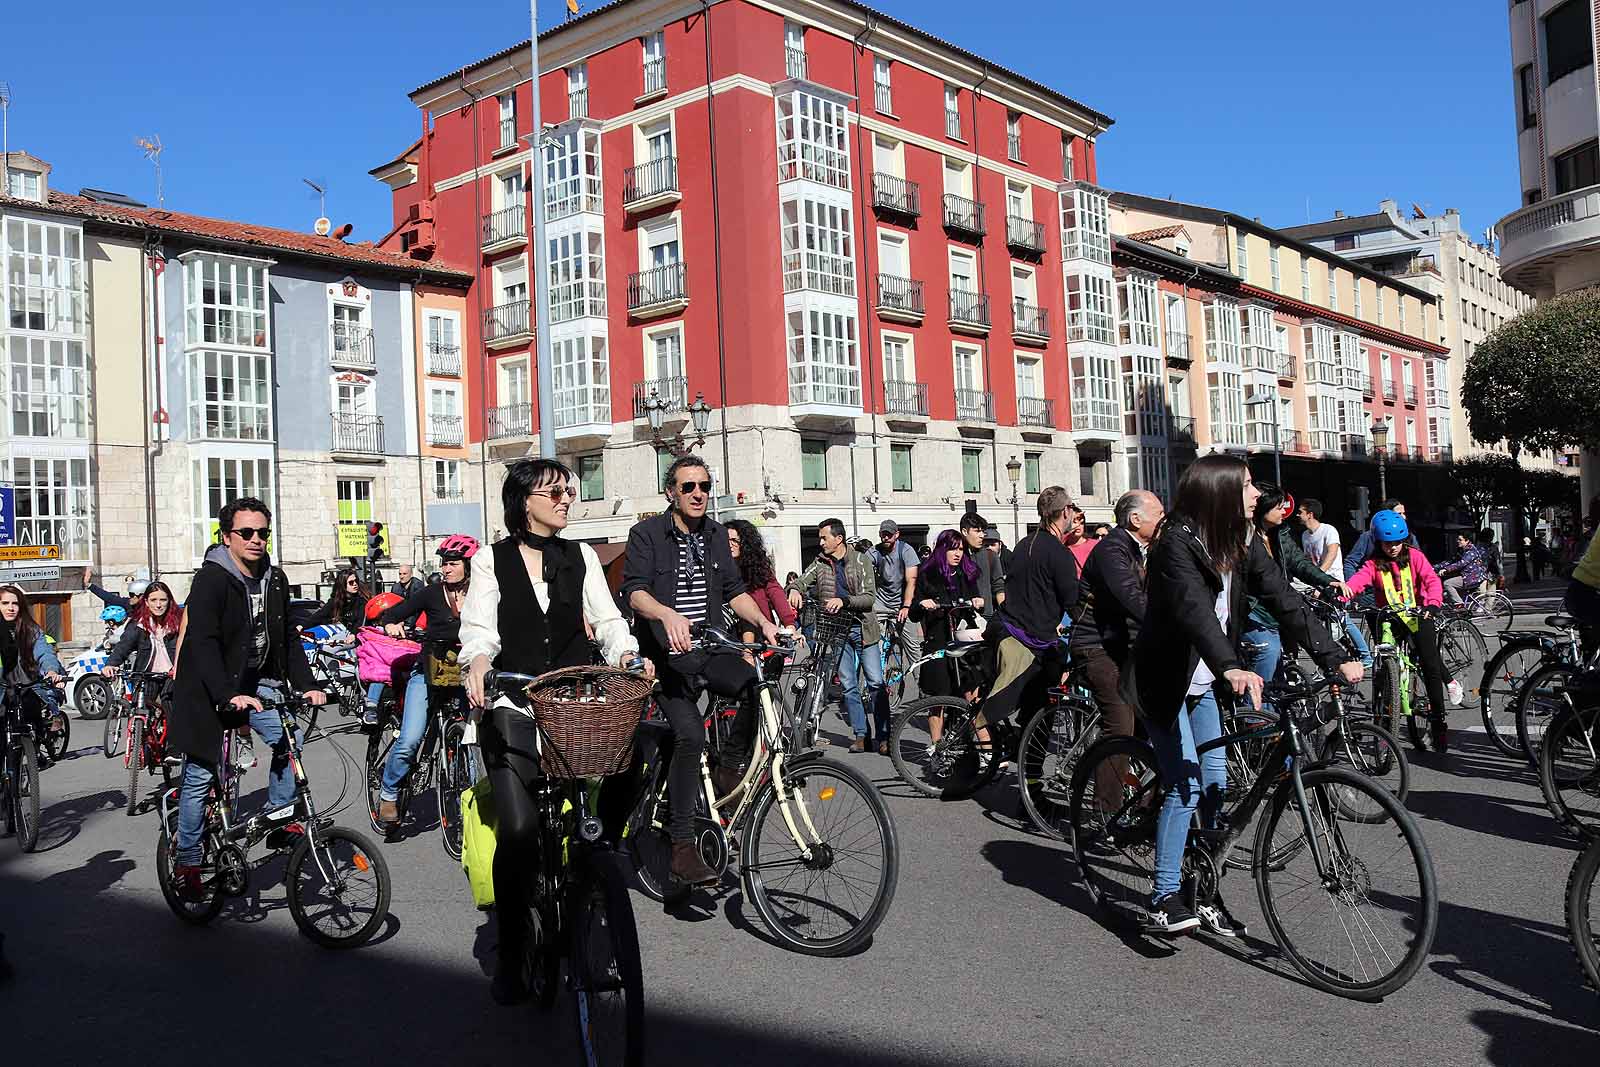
column 374, row 540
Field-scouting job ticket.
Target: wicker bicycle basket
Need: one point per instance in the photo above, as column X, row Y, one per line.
column 587, row 717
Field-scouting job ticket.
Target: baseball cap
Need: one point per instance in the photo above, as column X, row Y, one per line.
column 888, row 526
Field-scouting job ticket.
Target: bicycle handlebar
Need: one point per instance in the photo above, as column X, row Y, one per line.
column 709, row 637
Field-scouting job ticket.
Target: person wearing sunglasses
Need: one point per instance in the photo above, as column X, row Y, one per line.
column 680, row 571
column 242, row 648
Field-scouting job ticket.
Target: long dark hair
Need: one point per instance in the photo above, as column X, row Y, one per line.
column 1211, row 496
column 755, row 563
column 25, row 630
column 1271, row 500
column 940, row 562
column 170, row 623
column 341, row 596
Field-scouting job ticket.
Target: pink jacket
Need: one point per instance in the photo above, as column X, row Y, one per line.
column 1429, row 588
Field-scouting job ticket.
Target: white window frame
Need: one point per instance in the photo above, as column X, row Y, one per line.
column 1355, row 295
column 901, row 244
column 663, row 233
column 882, row 86
column 1066, row 158
column 813, row 139
column 578, row 82
column 577, row 275
column 818, row 245
column 969, row 357
column 1333, row 289
column 1089, row 301
column 572, row 173
column 238, row 403
column 1085, row 225
column 653, row 63
column 1241, row 251
column 43, row 277
column 56, row 509
column 581, row 378
column 794, row 41
column 447, row 479
column 508, row 371
column 1277, row 271
column 239, row 475
column 952, row 112
column 961, row 171
column 672, row 383
column 1014, row 136
column 906, row 356
column 1030, row 377
column 1019, row 199
column 508, row 118
column 1305, row 279
column 891, row 151
column 1138, row 323
column 49, row 382
column 234, row 324
column 823, row 357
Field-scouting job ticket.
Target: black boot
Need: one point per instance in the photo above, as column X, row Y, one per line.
column 1441, row 734
column 689, row 868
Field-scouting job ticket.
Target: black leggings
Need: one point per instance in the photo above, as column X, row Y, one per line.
column 509, row 743
column 683, row 679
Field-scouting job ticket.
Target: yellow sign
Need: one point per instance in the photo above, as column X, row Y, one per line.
column 15, row 552
column 353, row 539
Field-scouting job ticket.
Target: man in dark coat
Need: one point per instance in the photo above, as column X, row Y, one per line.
column 239, row 648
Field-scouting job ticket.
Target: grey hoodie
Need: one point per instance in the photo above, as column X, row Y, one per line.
column 255, row 595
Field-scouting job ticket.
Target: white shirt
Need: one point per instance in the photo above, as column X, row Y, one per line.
column 480, row 615
column 1203, row 676
column 1316, row 543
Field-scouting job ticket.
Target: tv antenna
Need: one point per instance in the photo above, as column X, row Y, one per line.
column 320, row 190
column 152, row 151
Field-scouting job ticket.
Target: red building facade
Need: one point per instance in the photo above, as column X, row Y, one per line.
column 865, row 249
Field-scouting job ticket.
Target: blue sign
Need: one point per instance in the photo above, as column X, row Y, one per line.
column 8, row 514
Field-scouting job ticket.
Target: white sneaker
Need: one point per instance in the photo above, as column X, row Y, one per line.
column 1216, row 919
column 1457, row 694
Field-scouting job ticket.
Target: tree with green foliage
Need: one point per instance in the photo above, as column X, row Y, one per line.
column 1534, row 384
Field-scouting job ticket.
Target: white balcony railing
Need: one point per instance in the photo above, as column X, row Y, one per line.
column 1540, row 230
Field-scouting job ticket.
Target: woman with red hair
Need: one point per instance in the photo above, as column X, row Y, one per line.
column 150, row 639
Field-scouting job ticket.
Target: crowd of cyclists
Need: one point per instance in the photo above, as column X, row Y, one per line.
column 1161, row 615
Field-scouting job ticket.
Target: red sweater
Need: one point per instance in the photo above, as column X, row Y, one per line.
column 773, row 604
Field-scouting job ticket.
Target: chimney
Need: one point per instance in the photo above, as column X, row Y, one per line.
column 1338, row 214
column 1388, row 207
column 1451, row 211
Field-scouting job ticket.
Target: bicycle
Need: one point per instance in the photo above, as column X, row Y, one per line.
column 1544, row 695
column 1569, row 761
column 443, row 760
column 1398, row 692
column 1051, row 746
column 333, row 665
column 935, row 746
column 586, row 719
column 803, row 688
column 19, row 767
column 1523, row 653
column 801, row 826
column 338, row 882
column 897, row 657
column 1582, row 926
column 1305, row 841
column 143, row 716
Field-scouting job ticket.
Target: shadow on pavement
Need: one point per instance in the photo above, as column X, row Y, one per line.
column 1515, row 1040
column 1528, row 966
column 61, row 822
column 1521, row 819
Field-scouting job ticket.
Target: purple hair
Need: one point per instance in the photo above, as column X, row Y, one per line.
column 940, row 561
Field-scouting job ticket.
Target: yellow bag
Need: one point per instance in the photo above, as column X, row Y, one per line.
column 444, row 673
column 477, row 842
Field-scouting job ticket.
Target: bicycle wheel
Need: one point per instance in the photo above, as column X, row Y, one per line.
column 1462, row 648
column 1497, row 692
column 1246, row 761
column 1363, row 928
column 952, row 768
column 894, row 666
column 135, row 762
column 1047, row 755
column 25, row 793
column 379, row 742
column 1581, row 919
column 92, row 697
column 1116, row 797
column 455, row 775
column 1374, row 753
column 645, row 840
column 194, row 912
column 343, row 907
column 830, row 903
column 59, row 735
column 1543, row 697
column 1493, row 612
column 1569, row 770
column 116, row 727
column 606, row 974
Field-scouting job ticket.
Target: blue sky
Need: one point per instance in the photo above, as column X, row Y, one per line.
column 1256, row 106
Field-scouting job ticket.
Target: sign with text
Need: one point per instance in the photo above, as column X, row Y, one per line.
column 8, row 514
column 8, row 553
column 30, row 574
column 353, row 539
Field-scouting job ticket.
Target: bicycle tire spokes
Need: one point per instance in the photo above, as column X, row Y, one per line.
column 1115, row 806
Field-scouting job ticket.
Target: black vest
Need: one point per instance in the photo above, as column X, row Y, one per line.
column 532, row 640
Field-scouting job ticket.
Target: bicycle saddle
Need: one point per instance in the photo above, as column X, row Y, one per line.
column 1562, row 621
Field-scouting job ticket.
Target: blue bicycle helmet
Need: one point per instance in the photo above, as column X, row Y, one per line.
column 114, row 613
column 1390, row 526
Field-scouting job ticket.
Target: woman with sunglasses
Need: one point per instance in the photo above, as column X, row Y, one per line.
column 346, row 605
column 534, row 599
column 439, row 606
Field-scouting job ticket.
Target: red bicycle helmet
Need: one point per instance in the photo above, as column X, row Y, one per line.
column 382, row 603
column 458, row 546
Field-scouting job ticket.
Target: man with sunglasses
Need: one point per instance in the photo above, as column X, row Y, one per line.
column 242, row 649
column 680, row 572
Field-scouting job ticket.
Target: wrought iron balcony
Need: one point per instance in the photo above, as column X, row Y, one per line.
column 510, row 420
column 1411, row 396
column 969, row 310
column 353, row 347
column 1025, row 235
column 652, row 181
column 444, row 360
column 658, row 291
column 445, row 430
column 952, row 124
column 1178, row 350
column 1389, row 391
column 1180, row 430
column 896, row 196
column 794, row 62
column 1286, row 366
column 1291, row 440
column 673, row 392
column 974, row 405
column 510, row 223
column 505, row 323
column 883, row 98
column 1367, row 389
column 1030, row 321
column 360, row 435
column 900, row 298
column 905, row 398
column 1036, row 411
column 1014, row 146
column 578, row 104
column 963, row 216
column 655, row 76
column 508, row 132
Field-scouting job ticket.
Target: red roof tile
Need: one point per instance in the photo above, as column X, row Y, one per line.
column 266, row 238
column 1159, row 233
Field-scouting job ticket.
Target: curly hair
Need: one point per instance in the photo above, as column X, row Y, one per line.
column 755, row 562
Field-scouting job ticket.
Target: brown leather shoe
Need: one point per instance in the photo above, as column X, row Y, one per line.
column 858, row 745
column 689, row 868
column 725, row 779
column 389, row 812
column 883, row 748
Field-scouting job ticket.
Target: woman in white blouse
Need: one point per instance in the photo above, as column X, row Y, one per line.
column 535, row 599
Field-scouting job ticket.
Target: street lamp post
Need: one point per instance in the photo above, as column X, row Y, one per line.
column 1014, row 471
column 1270, row 400
column 655, row 410
column 1380, row 445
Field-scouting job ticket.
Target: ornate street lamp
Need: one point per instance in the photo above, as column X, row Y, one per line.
column 1014, row 471
column 1380, row 445
column 655, row 409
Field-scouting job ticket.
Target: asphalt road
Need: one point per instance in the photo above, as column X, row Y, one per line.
column 989, row 955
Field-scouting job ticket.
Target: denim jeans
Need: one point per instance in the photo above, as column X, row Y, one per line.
column 199, row 774
column 413, row 724
column 1190, row 782
column 854, row 658
column 1265, row 661
column 1354, row 630
column 374, row 694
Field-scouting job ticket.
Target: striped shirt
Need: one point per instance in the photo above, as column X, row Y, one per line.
column 691, row 597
